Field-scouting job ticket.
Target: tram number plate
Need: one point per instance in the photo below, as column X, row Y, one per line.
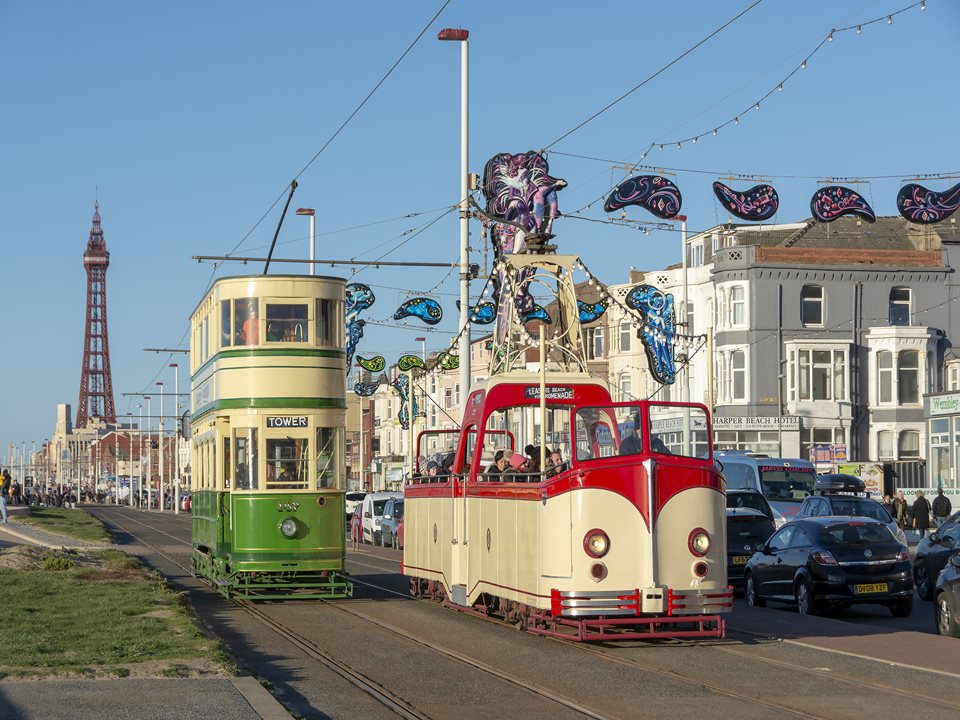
column 740, row 559
column 872, row 588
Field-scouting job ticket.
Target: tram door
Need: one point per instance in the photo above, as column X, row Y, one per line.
column 460, row 542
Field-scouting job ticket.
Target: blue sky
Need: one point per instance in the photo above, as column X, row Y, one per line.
column 188, row 119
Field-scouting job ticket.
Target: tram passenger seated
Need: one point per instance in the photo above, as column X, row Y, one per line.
column 447, row 464
column 498, row 467
column 632, row 444
column 555, row 464
column 658, row 446
column 433, row 471
column 250, row 332
column 286, row 479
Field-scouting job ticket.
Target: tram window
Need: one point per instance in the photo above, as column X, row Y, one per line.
column 329, row 323
column 286, row 323
column 328, row 458
column 245, row 460
column 287, row 462
column 676, row 430
column 226, row 462
column 597, row 433
column 246, row 323
column 226, row 337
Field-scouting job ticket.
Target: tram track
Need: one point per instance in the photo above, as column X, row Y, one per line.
column 667, row 674
column 383, row 695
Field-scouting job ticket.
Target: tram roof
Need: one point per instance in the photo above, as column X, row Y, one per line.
column 260, row 277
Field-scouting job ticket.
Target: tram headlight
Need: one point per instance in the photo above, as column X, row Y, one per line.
column 288, row 527
column 699, row 542
column 596, row 544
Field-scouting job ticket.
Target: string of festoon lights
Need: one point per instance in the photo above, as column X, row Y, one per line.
column 755, row 106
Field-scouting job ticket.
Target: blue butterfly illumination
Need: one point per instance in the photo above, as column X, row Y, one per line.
column 426, row 309
column 358, row 298
column 538, row 313
column 658, row 329
column 402, row 386
column 483, row 313
column 365, row 389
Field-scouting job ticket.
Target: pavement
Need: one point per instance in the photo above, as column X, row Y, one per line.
column 234, row 698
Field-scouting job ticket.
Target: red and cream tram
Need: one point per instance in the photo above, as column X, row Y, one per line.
column 624, row 538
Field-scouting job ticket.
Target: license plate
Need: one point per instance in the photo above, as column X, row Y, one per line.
column 873, row 588
column 740, row 559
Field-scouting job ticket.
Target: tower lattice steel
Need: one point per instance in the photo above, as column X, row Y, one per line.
column 96, row 384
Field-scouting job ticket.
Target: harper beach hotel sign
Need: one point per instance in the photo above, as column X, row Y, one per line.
column 944, row 404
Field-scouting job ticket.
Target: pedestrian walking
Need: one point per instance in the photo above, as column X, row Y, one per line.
column 901, row 511
column 4, row 491
column 921, row 514
column 941, row 508
column 888, row 504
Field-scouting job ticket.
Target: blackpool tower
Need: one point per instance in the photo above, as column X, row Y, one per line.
column 96, row 385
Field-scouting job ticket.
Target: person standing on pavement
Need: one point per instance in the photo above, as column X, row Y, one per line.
column 4, row 491
column 901, row 511
column 921, row 514
column 941, row 508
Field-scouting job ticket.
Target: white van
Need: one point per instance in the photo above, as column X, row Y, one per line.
column 372, row 514
column 784, row 482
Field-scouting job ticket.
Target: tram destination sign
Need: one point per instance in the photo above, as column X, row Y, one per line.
column 552, row 392
column 287, row 421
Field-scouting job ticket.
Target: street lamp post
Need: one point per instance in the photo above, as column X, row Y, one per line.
column 139, row 456
column 176, row 438
column 129, row 459
column 149, row 451
column 311, row 213
column 460, row 35
column 160, row 494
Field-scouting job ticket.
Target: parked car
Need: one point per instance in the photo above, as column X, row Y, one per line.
column 749, row 524
column 185, row 499
column 373, row 505
column 932, row 554
column 392, row 517
column 351, row 500
column 947, row 597
column 817, row 562
column 784, row 482
column 844, row 495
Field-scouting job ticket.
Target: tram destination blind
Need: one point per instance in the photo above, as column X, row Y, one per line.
column 287, row 421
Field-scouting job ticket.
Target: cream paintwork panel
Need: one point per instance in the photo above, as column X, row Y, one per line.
column 420, row 549
column 692, row 508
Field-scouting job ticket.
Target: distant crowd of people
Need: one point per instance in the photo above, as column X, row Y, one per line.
column 922, row 515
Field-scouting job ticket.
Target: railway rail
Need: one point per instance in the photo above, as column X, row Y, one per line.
column 384, row 563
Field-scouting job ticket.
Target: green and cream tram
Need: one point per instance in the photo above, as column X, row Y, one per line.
column 267, row 420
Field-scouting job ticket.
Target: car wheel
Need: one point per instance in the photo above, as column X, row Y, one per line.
column 750, row 592
column 946, row 625
column 377, row 538
column 921, row 578
column 902, row 608
column 806, row 602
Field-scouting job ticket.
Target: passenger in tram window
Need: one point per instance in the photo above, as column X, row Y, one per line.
column 631, row 444
column 250, row 334
column 285, row 480
column 555, row 464
column 446, row 464
column 432, row 470
column 658, row 446
column 274, row 332
column 498, row 467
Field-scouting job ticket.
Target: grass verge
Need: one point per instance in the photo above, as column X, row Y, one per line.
column 73, row 523
column 96, row 615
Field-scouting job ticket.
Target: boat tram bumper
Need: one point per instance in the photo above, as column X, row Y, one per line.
column 638, row 614
column 274, row 580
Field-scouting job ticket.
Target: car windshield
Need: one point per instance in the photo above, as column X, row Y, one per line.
column 783, row 483
column 749, row 500
column 856, row 533
column 398, row 510
column 378, row 506
column 860, row 507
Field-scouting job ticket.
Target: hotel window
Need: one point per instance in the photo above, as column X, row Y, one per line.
column 908, row 377
column 690, row 319
column 884, row 377
column 821, row 374
column 626, row 330
column 900, row 300
column 953, row 376
column 885, row 445
column 738, row 375
column 908, row 445
column 626, row 387
column 696, row 254
column 738, row 306
column 596, row 343
column 811, row 305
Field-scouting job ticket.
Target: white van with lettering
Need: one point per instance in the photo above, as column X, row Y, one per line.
column 784, row 482
column 372, row 514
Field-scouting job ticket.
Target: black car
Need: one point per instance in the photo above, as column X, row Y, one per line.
column 932, row 554
column 837, row 495
column 817, row 562
column 749, row 524
column 947, row 597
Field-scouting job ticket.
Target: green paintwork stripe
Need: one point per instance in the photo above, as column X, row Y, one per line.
column 272, row 402
column 264, row 352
